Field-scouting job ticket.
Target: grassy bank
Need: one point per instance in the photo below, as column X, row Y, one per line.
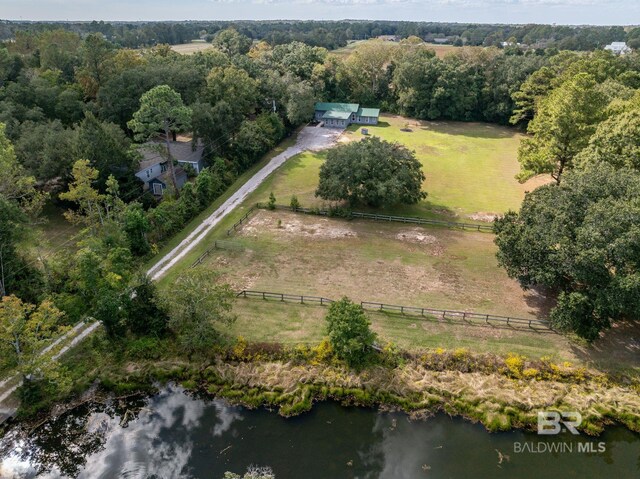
column 500, row 392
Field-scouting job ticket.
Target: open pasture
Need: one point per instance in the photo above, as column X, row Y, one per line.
column 371, row 261
column 470, row 169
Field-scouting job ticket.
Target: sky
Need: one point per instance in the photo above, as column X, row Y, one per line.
column 573, row 12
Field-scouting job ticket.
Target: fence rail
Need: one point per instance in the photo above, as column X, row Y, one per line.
column 455, row 315
column 218, row 244
column 397, row 219
column 446, row 314
column 240, row 221
column 291, row 298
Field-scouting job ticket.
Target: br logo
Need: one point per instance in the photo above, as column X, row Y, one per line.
column 552, row 422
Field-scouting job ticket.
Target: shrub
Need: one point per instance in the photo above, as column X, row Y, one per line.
column 514, row 363
column 349, row 332
column 145, row 348
column 323, row 352
column 272, row 201
column 294, row 204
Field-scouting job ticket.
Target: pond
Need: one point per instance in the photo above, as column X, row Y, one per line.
column 175, row 434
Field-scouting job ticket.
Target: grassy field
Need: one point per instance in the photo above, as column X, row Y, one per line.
column 369, row 261
column 441, row 50
column 190, row 48
column 394, row 263
column 470, row 169
column 291, row 324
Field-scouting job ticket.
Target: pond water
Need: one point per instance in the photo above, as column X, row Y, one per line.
column 174, row 434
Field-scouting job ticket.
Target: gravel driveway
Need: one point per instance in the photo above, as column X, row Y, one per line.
column 312, row 138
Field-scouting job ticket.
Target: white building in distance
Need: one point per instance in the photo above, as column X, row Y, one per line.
column 618, row 48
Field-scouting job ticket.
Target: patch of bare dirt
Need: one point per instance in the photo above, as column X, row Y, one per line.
column 290, row 225
column 483, row 216
column 416, row 236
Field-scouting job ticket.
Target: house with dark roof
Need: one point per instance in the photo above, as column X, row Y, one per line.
column 341, row 115
column 154, row 169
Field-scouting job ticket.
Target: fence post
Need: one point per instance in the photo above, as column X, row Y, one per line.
column 529, row 323
column 282, row 297
column 301, row 299
column 381, row 306
column 422, row 313
column 507, row 321
column 464, row 316
column 487, row 319
column 263, row 295
column 401, row 309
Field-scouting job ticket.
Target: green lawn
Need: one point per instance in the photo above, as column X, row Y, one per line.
column 470, row 169
column 449, row 269
column 290, row 324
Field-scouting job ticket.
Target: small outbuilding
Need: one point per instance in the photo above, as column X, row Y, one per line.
column 341, row 115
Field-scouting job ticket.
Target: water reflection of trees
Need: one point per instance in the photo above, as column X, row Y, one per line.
column 64, row 443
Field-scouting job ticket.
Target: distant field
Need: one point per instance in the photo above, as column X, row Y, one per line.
column 470, row 169
column 441, row 50
column 189, row 48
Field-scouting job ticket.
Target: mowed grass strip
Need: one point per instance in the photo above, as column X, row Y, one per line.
column 291, row 324
column 370, row 261
column 470, row 169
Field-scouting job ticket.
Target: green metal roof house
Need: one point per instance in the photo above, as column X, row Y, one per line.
column 341, row 115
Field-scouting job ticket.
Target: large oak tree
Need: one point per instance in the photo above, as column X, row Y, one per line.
column 372, row 172
column 580, row 239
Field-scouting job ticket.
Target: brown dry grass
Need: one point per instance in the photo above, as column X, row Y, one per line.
column 190, row 48
column 496, row 400
column 368, row 261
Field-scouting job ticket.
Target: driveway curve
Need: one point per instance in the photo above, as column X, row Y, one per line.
column 310, row 138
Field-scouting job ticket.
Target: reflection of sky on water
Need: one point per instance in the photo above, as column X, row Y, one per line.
column 401, row 450
column 156, row 443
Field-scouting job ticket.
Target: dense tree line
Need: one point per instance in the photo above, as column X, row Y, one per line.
column 334, row 34
column 579, row 237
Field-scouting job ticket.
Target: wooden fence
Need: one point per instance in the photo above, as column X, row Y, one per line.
column 446, row 314
column 218, row 244
column 240, row 221
column 453, row 315
column 290, row 298
column 397, row 219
